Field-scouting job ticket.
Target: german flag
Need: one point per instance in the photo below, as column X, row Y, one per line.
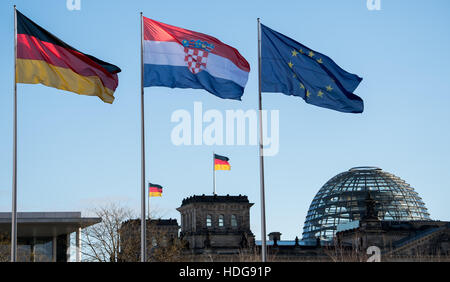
column 221, row 163
column 154, row 190
column 45, row 59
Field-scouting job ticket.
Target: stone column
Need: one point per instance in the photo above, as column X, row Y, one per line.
column 78, row 244
column 33, row 249
column 54, row 246
column 68, row 247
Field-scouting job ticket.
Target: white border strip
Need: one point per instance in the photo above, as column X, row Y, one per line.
column 172, row 53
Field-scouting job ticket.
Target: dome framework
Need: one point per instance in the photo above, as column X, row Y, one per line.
column 342, row 199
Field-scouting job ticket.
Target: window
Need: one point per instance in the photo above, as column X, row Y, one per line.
column 208, row 221
column 233, row 220
column 221, row 220
column 43, row 250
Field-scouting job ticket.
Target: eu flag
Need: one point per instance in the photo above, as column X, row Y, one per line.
column 294, row 69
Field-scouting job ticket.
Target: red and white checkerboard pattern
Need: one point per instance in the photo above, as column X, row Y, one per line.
column 196, row 59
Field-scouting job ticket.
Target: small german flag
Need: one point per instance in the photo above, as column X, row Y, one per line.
column 45, row 59
column 221, row 163
column 154, row 190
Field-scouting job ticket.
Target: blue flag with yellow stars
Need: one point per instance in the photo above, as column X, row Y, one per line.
column 294, row 69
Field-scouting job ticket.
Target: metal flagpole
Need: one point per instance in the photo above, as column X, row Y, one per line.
column 214, row 176
column 143, row 219
column 14, row 180
column 261, row 155
column 148, row 201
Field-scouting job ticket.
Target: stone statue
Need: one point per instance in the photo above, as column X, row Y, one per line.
column 244, row 242
column 370, row 207
column 207, row 241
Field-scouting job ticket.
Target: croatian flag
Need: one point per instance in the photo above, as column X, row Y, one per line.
column 181, row 58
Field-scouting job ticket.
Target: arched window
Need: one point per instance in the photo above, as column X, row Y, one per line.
column 221, row 220
column 208, row 220
column 233, row 221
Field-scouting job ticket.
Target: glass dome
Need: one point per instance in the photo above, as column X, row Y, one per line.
column 341, row 200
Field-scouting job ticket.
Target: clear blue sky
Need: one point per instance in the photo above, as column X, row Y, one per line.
column 76, row 152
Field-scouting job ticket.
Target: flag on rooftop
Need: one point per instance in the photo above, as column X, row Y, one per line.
column 43, row 58
column 294, row 69
column 155, row 190
column 221, row 163
column 179, row 58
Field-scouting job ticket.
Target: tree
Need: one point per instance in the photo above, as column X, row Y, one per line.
column 117, row 238
column 101, row 242
column 163, row 244
column 5, row 247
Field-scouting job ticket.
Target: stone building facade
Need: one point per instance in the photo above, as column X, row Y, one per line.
column 397, row 240
column 419, row 239
column 216, row 224
column 217, row 228
column 161, row 233
column 162, row 230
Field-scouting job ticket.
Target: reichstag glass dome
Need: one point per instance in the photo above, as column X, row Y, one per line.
column 341, row 200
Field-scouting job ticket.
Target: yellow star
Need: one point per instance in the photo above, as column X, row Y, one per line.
column 329, row 88
column 302, row 86
column 301, row 51
column 320, row 61
column 311, row 54
column 294, row 75
column 320, row 94
column 308, row 93
column 290, row 64
column 294, row 53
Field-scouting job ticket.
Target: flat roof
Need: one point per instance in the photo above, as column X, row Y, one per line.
column 46, row 224
column 279, row 243
column 215, row 199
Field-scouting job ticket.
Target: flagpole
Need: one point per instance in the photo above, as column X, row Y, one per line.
column 14, row 180
column 261, row 155
column 214, row 176
column 143, row 219
column 148, row 201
